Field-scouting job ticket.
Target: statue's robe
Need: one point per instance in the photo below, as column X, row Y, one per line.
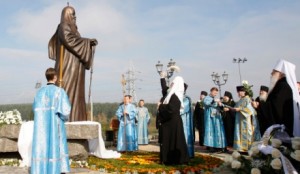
column 77, row 58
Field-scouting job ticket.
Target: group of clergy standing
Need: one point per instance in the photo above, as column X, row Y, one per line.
column 224, row 124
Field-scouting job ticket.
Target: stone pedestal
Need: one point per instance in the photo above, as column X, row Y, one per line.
column 10, row 131
column 78, row 149
column 75, row 131
column 77, row 137
column 9, row 138
column 8, row 145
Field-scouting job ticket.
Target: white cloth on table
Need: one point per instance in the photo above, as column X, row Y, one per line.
column 96, row 145
column 25, row 143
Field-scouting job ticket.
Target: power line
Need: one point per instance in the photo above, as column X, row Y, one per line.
column 130, row 82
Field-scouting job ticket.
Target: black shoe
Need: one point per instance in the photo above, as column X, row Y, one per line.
column 219, row 151
column 224, row 150
column 212, row 150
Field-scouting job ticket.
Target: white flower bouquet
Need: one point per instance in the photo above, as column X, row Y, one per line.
column 270, row 155
column 10, row 117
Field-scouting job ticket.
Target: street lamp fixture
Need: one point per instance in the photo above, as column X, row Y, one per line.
column 217, row 81
column 169, row 71
column 225, row 76
column 238, row 61
column 38, row 85
column 159, row 67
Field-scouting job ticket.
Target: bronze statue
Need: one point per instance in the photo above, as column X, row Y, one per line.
column 73, row 55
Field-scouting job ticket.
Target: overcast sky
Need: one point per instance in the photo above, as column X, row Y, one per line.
column 201, row 36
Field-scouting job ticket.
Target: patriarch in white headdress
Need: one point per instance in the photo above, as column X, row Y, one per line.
column 174, row 68
column 177, row 88
column 288, row 69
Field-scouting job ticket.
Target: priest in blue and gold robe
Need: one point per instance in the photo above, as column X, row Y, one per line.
column 244, row 128
column 127, row 136
column 214, row 136
column 143, row 119
column 51, row 109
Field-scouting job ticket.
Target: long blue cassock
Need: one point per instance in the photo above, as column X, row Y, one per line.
column 246, row 128
column 142, row 127
column 187, row 120
column 127, row 135
column 214, row 128
column 256, row 133
column 49, row 147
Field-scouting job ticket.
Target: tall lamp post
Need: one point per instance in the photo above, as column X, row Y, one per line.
column 169, row 71
column 238, row 61
column 217, row 81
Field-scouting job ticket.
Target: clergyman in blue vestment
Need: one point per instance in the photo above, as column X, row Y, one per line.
column 127, row 136
column 143, row 119
column 51, row 109
column 214, row 135
column 187, row 120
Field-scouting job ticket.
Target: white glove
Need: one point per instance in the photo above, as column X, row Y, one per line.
column 217, row 100
column 163, row 74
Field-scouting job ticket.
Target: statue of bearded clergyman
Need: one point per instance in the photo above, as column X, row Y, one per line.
column 73, row 55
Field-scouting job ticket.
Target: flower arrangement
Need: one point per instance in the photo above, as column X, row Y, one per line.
column 10, row 117
column 80, row 164
column 148, row 162
column 10, row 162
column 248, row 88
column 269, row 155
column 139, row 163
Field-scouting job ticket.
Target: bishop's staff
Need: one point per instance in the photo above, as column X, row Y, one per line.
column 125, row 114
column 123, row 82
column 61, row 61
column 90, row 87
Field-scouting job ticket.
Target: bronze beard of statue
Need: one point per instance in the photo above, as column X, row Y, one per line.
column 76, row 57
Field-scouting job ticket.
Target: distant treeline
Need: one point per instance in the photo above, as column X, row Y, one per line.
column 105, row 109
column 102, row 112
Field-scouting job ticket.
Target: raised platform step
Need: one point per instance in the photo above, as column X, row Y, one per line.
column 73, row 131
column 77, row 137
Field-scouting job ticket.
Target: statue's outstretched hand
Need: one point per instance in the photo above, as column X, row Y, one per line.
column 94, row 42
